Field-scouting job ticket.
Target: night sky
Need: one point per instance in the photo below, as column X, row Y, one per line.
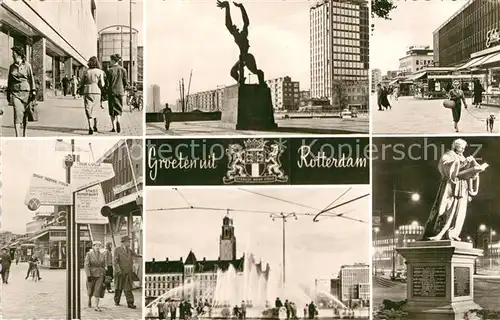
column 417, row 171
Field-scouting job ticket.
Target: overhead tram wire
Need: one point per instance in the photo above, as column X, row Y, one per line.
column 315, row 219
column 278, row 199
column 338, row 198
column 183, row 197
column 340, row 215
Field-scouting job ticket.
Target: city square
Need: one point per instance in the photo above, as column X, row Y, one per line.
column 71, row 236
column 258, row 261
column 411, row 239
column 435, row 78
column 297, row 85
column 75, row 69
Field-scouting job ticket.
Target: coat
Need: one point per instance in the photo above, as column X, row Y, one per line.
column 95, row 264
column 123, row 267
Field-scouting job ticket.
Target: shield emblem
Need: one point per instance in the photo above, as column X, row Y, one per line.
column 255, row 162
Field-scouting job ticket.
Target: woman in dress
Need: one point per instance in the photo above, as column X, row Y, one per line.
column 21, row 88
column 92, row 82
column 94, row 266
column 74, row 86
column 457, row 96
column 478, row 93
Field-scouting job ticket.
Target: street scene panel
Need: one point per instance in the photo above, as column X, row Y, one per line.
column 71, row 236
column 435, row 219
column 257, row 253
column 75, row 68
column 441, row 76
column 233, row 77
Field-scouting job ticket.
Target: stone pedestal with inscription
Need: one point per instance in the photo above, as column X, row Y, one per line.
column 440, row 279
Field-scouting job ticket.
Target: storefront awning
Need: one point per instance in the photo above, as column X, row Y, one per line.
column 126, row 204
column 479, row 61
column 492, row 59
column 38, row 236
column 417, row 76
column 451, row 76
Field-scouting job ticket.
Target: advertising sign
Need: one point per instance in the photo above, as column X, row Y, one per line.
column 46, row 191
column 88, row 204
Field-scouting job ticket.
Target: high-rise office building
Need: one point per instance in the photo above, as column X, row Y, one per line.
column 339, row 45
column 376, row 78
column 285, row 93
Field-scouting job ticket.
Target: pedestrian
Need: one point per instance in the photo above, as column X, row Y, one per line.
column 312, row 310
column 17, row 256
column 457, row 96
column 74, row 86
column 33, row 264
column 380, row 92
column 173, row 310
column 243, row 310
column 167, row 116
column 288, row 309
column 123, row 268
column 306, row 308
column 95, row 268
column 108, row 254
column 65, row 85
column 160, row 306
column 93, row 81
column 182, row 310
column 116, row 78
column 478, row 93
column 278, row 304
column 6, row 261
column 21, row 88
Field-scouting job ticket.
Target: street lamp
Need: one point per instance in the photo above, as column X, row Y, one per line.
column 414, row 197
column 284, row 219
column 376, row 230
column 492, row 234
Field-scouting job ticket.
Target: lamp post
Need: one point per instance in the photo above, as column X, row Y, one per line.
column 490, row 253
column 414, row 197
column 130, row 40
column 376, row 230
column 284, row 219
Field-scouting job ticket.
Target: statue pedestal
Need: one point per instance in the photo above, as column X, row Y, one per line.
column 440, row 281
column 248, row 107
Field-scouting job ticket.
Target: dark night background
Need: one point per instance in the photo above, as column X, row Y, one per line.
column 296, row 175
column 419, row 173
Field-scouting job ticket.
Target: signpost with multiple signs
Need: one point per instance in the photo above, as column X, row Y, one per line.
column 83, row 195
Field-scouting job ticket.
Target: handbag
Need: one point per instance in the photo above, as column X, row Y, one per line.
column 449, row 104
column 31, row 111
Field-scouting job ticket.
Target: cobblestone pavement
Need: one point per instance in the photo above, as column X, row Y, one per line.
column 46, row 299
column 486, row 293
column 285, row 126
column 65, row 116
column 410, row 115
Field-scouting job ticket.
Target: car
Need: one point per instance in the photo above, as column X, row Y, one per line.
column 345, row 114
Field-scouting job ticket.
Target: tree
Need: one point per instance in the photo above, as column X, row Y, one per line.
column 340, row 97
column 382, row 8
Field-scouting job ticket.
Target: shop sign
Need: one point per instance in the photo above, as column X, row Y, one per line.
column 492, row 37
column 88, row 174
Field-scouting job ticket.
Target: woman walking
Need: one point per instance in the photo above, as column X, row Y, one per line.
column 92, row 82
column 21, row 88
column 95, row 269
column 457, row 96
column 116, row 78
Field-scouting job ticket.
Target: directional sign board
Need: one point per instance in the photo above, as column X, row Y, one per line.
column 88, row 174
column 46, row 191
column 88, row 204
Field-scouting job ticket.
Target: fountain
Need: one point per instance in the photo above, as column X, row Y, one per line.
column 257, row 287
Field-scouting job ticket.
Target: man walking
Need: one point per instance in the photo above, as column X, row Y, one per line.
column 123, row 268
column 6, row 262
column 116, row 82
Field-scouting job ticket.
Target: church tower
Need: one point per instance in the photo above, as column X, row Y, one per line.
column 227, row 244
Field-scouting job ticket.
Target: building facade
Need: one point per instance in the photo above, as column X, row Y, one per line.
column 357, row 95
column 140, row 64
column 207, row 101
column 417, row 58
column 153, row 100
column 354, row 283
column 59, row 37
column 376, row 78
column 384, row 249
column 285, row 93
column 339, row 45
column 473, row 28
column 116, row 39
column 123, row 196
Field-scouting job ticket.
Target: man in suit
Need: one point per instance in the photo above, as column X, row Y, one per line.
column 123, row 267
column 6, row 262
column 116, row 83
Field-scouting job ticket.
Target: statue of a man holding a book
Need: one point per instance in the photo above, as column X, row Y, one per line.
column 459, row 183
